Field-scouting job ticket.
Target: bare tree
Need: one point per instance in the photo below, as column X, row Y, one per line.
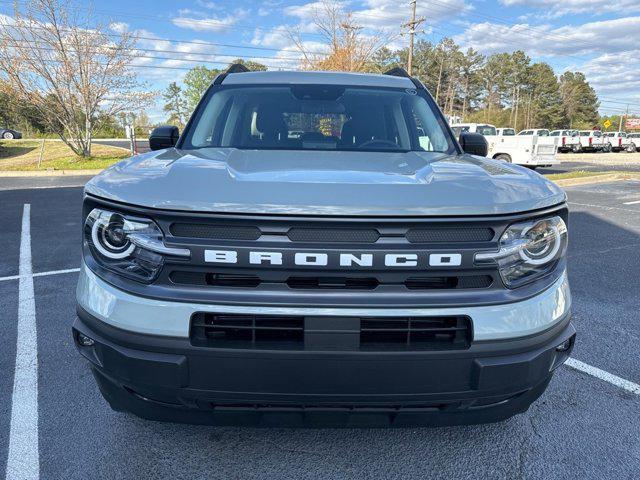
column 69, row 69
column 349, row 47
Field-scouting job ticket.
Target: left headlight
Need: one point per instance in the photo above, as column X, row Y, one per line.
column 528, row 250
column 127, row 245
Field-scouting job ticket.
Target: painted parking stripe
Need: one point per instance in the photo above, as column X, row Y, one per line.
column 23, row 462
column 603, row 375
column 632, row 203
column 42, row 274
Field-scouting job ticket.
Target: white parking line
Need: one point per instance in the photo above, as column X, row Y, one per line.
column 603, row 375
column 632, row 203
column 23, row 462
column 42, row 274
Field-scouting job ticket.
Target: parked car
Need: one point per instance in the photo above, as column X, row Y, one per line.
column 634, row 140
column 530, row 150
column 619, row 141
column 506, row 131
column 593, row 141
column 356, row 275
column 569, row 140
column 541, row 132
column 8, row 134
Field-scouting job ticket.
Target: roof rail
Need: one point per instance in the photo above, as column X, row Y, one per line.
column 397, row 72
column 234, row 68
column 237, row 68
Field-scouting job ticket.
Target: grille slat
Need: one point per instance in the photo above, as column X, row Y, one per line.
column 309, row 282
column 300, row 332
column 329, row 235
column 215, row 232
column 449, row 235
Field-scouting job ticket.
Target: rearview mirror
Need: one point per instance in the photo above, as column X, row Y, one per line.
column 165, row 136
column 474, row 143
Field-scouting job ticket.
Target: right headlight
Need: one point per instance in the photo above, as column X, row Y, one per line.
column 127, row 245
column 528, row 250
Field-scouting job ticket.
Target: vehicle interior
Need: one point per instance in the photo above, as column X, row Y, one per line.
column 310, row 117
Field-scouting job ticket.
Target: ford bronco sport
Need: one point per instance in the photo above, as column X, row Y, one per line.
column 318, row 249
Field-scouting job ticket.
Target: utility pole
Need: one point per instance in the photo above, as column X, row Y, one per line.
column 411, row 25
column 625, row 116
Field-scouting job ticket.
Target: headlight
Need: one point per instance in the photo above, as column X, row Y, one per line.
column 128, row 245
column 528, row 250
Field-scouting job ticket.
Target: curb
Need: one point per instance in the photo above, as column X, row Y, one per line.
column 609, row 177
column 48, row 173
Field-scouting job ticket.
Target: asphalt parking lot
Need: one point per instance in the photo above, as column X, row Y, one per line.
column 583, row 427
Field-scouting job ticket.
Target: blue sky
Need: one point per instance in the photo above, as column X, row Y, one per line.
column 598, row 38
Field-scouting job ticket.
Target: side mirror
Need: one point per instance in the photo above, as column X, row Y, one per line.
column 474, row 143
column 165, row 136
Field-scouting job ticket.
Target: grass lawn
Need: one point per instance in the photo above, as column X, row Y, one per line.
column 24, row 155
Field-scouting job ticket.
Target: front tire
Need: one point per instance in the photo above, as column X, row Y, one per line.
column 606, row 148
column 631, row 148
column 576, row 148
column 8, row 136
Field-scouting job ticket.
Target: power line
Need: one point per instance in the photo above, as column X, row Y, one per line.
column 184, row 54
column 411, row 25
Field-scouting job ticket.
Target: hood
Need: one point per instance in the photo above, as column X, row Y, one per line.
column 228, row 180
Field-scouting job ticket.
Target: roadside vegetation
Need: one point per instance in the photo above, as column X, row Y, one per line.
column 28, row 155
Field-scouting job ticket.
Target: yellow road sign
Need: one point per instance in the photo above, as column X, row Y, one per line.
column 607, row 123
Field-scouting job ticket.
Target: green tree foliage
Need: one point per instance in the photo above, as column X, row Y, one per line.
column 176, row 105
column 196, row 82
column 579, row 99
column 250, row 64
column 505, row 89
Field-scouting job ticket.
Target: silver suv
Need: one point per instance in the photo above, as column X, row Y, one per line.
column 317, row 248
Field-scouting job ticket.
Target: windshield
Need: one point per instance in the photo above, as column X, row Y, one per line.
column 318, row 117
column 508, row 132
column 486, row 130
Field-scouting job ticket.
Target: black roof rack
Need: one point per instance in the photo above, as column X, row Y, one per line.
column 397, row 72
column 234, row 68
column 237, row 68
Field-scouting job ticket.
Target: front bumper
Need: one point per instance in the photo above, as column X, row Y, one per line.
column 168, row 379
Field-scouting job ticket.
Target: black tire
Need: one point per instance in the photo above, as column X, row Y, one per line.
column 504, row 157
column 576, row 148
column 631, row 148
column 606, row 148
column 8, row 136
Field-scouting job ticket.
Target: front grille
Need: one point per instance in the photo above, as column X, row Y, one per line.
column 284, row 332
column 312, row 282
column 246, row 331
column 324, row 235
column 216, row 232
column 449, row 235
column 433, row 333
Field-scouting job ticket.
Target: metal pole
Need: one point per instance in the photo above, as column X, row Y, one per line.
column 412, row 31
column 625, row 116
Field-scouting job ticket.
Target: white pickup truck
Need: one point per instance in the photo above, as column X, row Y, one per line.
column 593, row 141
column 530, row 150
column 569, row 140
column 541, row 132
column 619, row 141
column 634, row 139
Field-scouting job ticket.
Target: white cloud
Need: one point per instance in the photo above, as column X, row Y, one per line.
column 119, row 27
column 6, row 20
column 591, row 7
column 602, row 37
column 210, row 24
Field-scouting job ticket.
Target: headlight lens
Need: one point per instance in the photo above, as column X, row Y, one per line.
column 127, row 245
column 528, row 250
